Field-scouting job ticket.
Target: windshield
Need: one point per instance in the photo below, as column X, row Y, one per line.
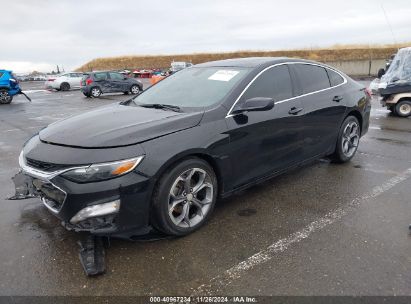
column 193, row 87
column 178, row 65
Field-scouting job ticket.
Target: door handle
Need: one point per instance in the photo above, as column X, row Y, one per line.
column 337, row 98
column 295, row 111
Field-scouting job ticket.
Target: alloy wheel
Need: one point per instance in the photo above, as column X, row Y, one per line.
column 350, row 139
column 135, row 89
column 405, row 109
column 190, row 198
column 5, row 98
column 95, row 92
column 65, row 86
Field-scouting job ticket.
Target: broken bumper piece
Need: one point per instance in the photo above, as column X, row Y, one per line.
column 92, row 255
column 24, row 187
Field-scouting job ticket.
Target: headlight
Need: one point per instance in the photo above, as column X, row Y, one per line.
column 99, row 172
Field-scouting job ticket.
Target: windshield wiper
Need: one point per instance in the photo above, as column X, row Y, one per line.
column 161, row 106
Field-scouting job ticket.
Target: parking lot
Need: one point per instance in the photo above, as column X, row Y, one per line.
column 325, row 229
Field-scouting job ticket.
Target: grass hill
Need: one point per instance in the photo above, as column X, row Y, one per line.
column 334, row 53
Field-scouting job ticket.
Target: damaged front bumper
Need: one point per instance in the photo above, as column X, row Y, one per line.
column 118, row 207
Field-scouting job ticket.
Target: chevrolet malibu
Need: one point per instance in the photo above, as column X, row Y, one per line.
column 160, row 161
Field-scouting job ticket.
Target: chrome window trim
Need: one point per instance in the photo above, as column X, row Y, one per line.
column 292, row 98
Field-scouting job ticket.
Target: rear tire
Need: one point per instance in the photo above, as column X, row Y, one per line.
column 403, row 108
column 380, row 73
column 184, row 197
column 95, row 92
column 65, row 86
column 134, row 89
column 5, row 98
column 348, row 140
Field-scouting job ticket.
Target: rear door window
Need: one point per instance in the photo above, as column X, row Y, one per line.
column 274, row 83
column 335, row 78
column 100, row 76
column 312, row 78
column 116, row 76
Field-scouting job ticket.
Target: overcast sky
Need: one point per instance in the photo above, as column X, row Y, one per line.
column 40, row 34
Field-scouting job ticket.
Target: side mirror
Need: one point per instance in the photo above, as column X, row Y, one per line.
column 255, row 104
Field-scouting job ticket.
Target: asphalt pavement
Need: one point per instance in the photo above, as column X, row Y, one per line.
column 324, row 229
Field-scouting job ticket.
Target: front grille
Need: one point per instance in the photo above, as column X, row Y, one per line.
column 43, row 166
column 50, row 194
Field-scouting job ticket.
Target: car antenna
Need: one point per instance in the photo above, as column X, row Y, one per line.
column 389, row 23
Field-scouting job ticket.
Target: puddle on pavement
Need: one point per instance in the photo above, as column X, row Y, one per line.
column 36, row 219
column 394, row 129
column 247, row 212
column 393, row 141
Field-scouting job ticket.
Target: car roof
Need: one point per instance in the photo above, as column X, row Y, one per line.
column 249, row 62
column 111, row 71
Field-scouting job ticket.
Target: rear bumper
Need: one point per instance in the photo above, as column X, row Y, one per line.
column 366, row 118
column 85, row 89
column 51, row 85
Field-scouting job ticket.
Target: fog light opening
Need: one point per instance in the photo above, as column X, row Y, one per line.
column 95, row 211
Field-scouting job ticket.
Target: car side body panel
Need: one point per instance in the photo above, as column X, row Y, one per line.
column 243, row 149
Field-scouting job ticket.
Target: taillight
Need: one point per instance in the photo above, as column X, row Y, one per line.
column 368, row 92
column 51, row 79
column 89, row 81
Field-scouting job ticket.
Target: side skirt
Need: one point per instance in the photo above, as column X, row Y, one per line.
column 264, row 178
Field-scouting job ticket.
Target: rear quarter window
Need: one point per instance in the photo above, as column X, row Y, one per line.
column 335, row 78
column 1, row 74
column 116, row 76
column 312, row 77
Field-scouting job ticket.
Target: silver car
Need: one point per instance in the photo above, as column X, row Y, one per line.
column 64, row 82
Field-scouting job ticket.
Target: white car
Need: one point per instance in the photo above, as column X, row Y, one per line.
column 64, row 82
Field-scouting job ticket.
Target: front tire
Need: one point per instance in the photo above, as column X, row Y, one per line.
column 184, row 197
column 403, row 108
column 348, row 140
column 5, row 98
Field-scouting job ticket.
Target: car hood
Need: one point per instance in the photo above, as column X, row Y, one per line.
column 116, row 126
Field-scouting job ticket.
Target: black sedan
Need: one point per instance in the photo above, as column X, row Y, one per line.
column 160, row 161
